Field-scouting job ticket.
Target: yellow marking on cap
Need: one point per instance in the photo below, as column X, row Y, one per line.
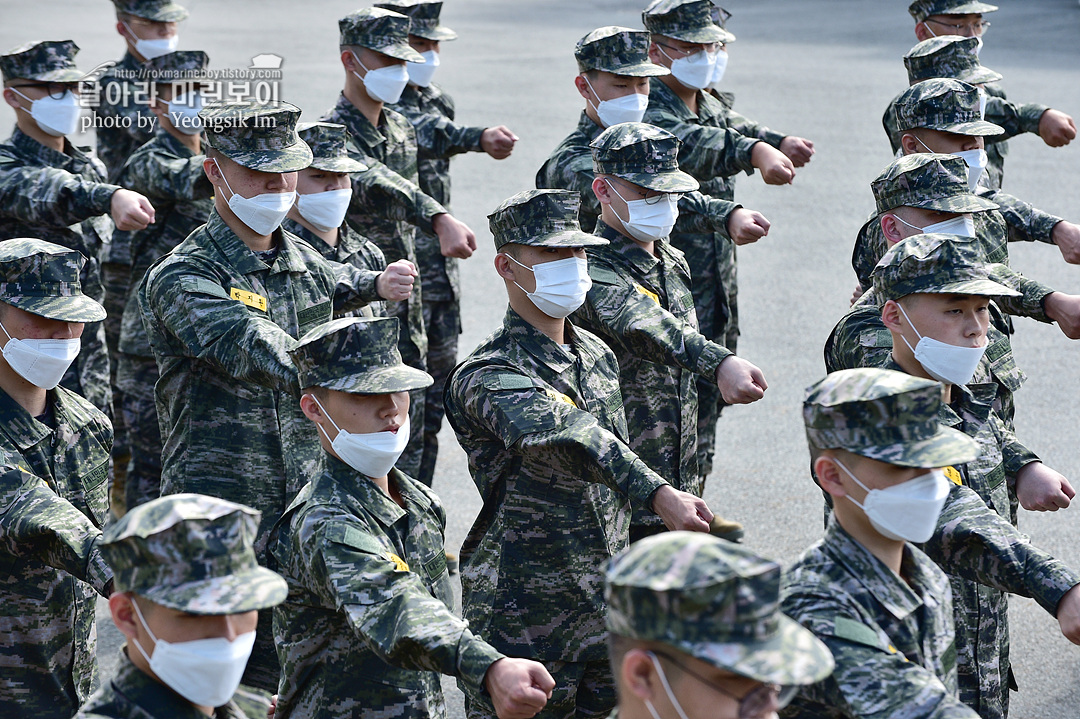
column 248, row 298
column 559, row 397
column 648, row 293
column 954, row 475
column 400, row 565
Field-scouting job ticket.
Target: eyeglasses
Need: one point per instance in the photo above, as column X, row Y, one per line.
column 975, row 28
column 758, row 703
column 56, row 90
column 710, row 48
column 651, row 196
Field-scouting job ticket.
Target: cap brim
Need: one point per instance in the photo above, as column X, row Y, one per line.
column 66, row 74
column 640, row 69
column 170, row 12
column 706, row 35
column 338, row 164
column 243, row 591
column 947, row 447
column 77, row 308
column 382, row 380
column 984, row 288
column 294, row 158
column 438, row 34
column 401, row 51
column 670, row 181
column 565, row 238
column 969, row 8
column 978, row 128
column 792, row 657
column 959, row 203
column 979, row 75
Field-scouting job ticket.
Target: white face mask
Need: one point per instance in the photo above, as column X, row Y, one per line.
column 963, row 225
column 694, row 71
column 976, row 161
column 649, row 221
column 325, row 210
column 421, row 73
column 184, row 113
column 628, row 108
column 384, row 84
column 906, row 512
column 262, row 213
column 561, row 285
column 42, row 363
column 55, row 116
column 372, row 454
column 154, row 48
column 946, row 363
column 206, row 672
column 719, row 69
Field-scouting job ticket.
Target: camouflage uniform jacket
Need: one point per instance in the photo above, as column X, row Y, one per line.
column 744, row 125
column 570, row 167
column 53, row 504
column 126, row 121
column 368, row 622
column 1016, row 118
column 133, row 694
column 545, row 435
column 393, row 145
column 220, row 322
column 171, row 176
column 431, row 112
column 891, row 636
column 352, row 249
column 640, row 304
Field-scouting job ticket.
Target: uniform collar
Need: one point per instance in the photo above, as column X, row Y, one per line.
column 34, row 150
column 370, row 495
column 155, row 698
column 171, row 144
column 588, row 128
column 708, row 106
column 899, row 597
column 243, row 259
column 348, row 241
column 20, row 426
column 625, row 249
column 364, row 133
column 539, row 346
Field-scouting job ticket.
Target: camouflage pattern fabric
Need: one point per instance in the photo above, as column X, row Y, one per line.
column 443, row 323
column 927, row 180
column 328, row 142
column 55, row 502
column 640, row 304
column 124, row 122
column 540, row 218
column 220, row 322
column 62, row 197
column 156, row 10
column 352, row 248
column 131, row 694
column 618, row 50
column 948, row 56
column 891, row 637
column 714, row 601
column 583, row 690
column 44, row 279
column 392, row 143
column 545, row 434
column 687, row 20
column 641, row 154
column 50, row 61
column 369, row 619
column 381, row 30
column 937, row 263
column 1016, row 117
column 922, row 9
column 259, row 136
column 423, row 18
column 171, row 176
column 943, row 104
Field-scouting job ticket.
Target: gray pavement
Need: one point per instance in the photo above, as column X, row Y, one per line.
column 816, row 68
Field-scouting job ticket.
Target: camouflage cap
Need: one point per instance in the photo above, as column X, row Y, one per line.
column 259, row 136
column 156, row 10
column 356, row 355
column 922, row 9
column 943, row 104
column 937, row 263
column 47, row 61
column 43, row 279
column 178, row 66
column 618, row 50
column 885, row 415
column 642, row 154
column 380, row 30
column 423, row 18
column 929, row 181
column 327, row 142
column 714, row 601
column 686, row 20
column 951, row 56
column 541, row 218
column 720, row 16
column 192, row 553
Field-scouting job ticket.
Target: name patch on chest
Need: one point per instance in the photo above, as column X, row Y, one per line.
column 248, row 298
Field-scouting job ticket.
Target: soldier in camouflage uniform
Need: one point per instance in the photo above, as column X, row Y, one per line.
column 222, row 310
column 54, row 191
column 54, row 456
column 640, row 304
column 121, row 101
column 167, row 169
column 538, row 410
column 695, row 631
column 937, row 287
column 374, row 39
column 939, row 18
column 185, row 573
column 616, row 59
column 324, row 192
column 713, row 152
column 881, row 428
column 368, row 624
column 431, row 111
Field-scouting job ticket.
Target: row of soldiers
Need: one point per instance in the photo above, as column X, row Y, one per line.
column 249, row 337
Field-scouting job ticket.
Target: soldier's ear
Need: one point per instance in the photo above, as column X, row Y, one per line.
column 601, row 190
column 910, row 144
column 504, row 266
column 891, row 230
column 311, row 408
column 638, row 675
column 654, row 54
column 828, row 475
column 582, row 86
column 890, row 315
column 123, row 614
column 922, row 32
column 11, row 98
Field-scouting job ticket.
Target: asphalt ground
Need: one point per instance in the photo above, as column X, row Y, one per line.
column 819, row 69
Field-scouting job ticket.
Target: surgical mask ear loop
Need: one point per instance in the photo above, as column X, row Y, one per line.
column 511, row 258
column 327, row 414
column 146, row 626
column 667, row 688
column 912, row 324
column 850, row 474
column 222, row 173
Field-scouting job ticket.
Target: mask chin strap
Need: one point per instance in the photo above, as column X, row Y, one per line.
column 146, row 626
column 912, row 324
column 595, row 109
column 850, row 474
column 9, row 337
column 222, row 173
column 667, row 688
column 327, row 414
